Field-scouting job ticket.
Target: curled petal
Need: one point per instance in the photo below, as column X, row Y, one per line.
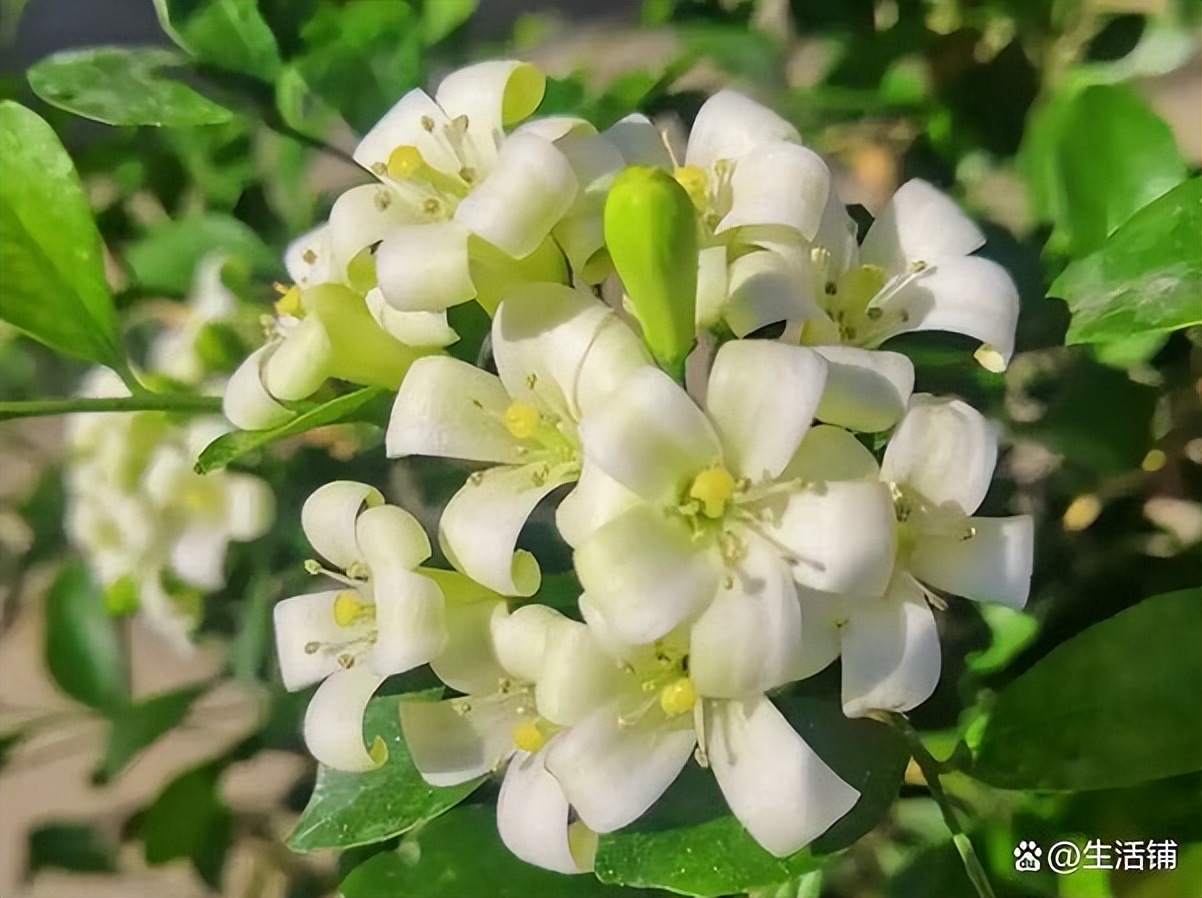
column 387, row 534
column 306, row 621
column 521, row 638
column 765, row 288
column 595, row 501
column 454, row 741
column 992, row 565
column 411, row 328
column 361, row 217
column 831, row 453
column 576, row 676
column 922, row 224
column 411, row 624
column 451, row 409
column 328, row 518
column 334, row 719
column 425, row 267
column 781, row 791
column 866, row 390
column 639, row 141
column 645, row 575
column 480, row 526
column 250, row 507
column 492, row 95
column 761, row 399
column 300, row 363
column 612, row 773
column 730, row 125
column 780, row 184
column 890, row 648
column 938, row 437
column 246, row 403
column 468, row 662
column 532, row 819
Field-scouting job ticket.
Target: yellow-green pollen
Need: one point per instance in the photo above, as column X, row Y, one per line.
column 522, row 421
column 349, row 609
column 528, row 736
column 678, row 697
column 713, row 488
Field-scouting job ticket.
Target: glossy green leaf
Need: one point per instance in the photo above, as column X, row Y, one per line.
column 123, row 86
column 188, row 819
column 1115, row 705
column 690, row 843
column 139, row 724
column 52, row 283
column 82, row 650
column 230, row 34
column 348, row 809
column 70, row 846
column 1113, row 156
column 165, row 259
column 366, row 404
column 460, row 855
column 1146, row 278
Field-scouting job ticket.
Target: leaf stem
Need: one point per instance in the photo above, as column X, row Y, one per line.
column 930, row 768
column 144, row 402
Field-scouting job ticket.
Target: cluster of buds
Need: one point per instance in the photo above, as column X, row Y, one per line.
column 731, row 530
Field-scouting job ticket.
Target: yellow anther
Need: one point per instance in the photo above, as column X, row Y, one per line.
column 404, row 161
column 713, row 488
column 678, row 697
column 521, row 420
column 527, row 736
column 290, row 303
column 348, row 608
column 692, row 178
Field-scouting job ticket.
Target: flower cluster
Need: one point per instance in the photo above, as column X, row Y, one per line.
column 732, row 532
column 154, row 531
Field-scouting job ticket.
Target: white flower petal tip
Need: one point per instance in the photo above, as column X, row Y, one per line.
column 425, row 267
column 866, row 390
column 328, row 518
column 451, row 744
column 776, row 785
column 991, row 562
column 780, row 184
column 730, row 125
column 246, row 403
column 334, row 721
column 301, row 623
column 920, row 223
column 533, row 815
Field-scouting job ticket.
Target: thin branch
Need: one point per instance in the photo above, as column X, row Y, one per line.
column 146, row 402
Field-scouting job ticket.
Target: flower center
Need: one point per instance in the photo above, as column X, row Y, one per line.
column 349, row 609
column 522, row 421
column 528, row 736
column 290, row 304
column 678, row 697
column 713, row 488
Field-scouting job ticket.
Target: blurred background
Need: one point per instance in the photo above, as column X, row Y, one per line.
column 1104, row 445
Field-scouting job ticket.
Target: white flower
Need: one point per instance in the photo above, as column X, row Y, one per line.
column 387, row 617
column 688, row 496
column 938, row 466
column 913, row 272
column 559, row 353
column 501, row 721
column 175, row 351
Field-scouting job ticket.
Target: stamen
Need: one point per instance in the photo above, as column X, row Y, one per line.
column 693, row 179
column 404, row 162
column 713, row 488
column 290, row 303
column 678, row 697
column 527, row 736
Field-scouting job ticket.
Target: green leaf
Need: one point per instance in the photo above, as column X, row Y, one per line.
column 51, row 258
column 188, row 819
column 366, row 404
column 123, row 86
column 166, row 257
column 1115, row 705
column 230, row 34
column 70, row 846
column 137, row 725
column 82, row 651
column 460, row 855
column 348, row 809
column 442, row 17
column 1146, row 278
column 1113, row 156
column 690, row 843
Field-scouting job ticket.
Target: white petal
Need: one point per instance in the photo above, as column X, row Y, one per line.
column 402, row 125
column 970, row 295
column 729, row 125
column 944, row 450
column 781, row 791
column 299, row 622
column 451, row 745
column 994, row 565
column 411, row 328
column 890, row 648
column 520, row 639
column 467, row 663
column 749, row 639
column 300, row 363
column 645, row 574
column 652, row 438
column 822, row 617
column 198, row 556
column 389, row 535
column 761, row 399
column 480, row 525
column 246, row 403
column 334, row 720
column 528, row 191
column 532, row 819
column 780, row 184
column 361, row 217
column 837, row 235
column 639, row 142
column 866, row 390
column 610, row 773
column 309, row 259
column 425, row 267
column 920, row 224
column 451, row 409
column 831, row 453
column 411, row 624
column 765, row 288
column 576, row 676
column 714, row 300
column 842, row 536
column 492, row 95
column 250, row 506
column 328, row 519
column 595, row 501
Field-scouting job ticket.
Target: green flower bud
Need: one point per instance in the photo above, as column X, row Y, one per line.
column 651, row 233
